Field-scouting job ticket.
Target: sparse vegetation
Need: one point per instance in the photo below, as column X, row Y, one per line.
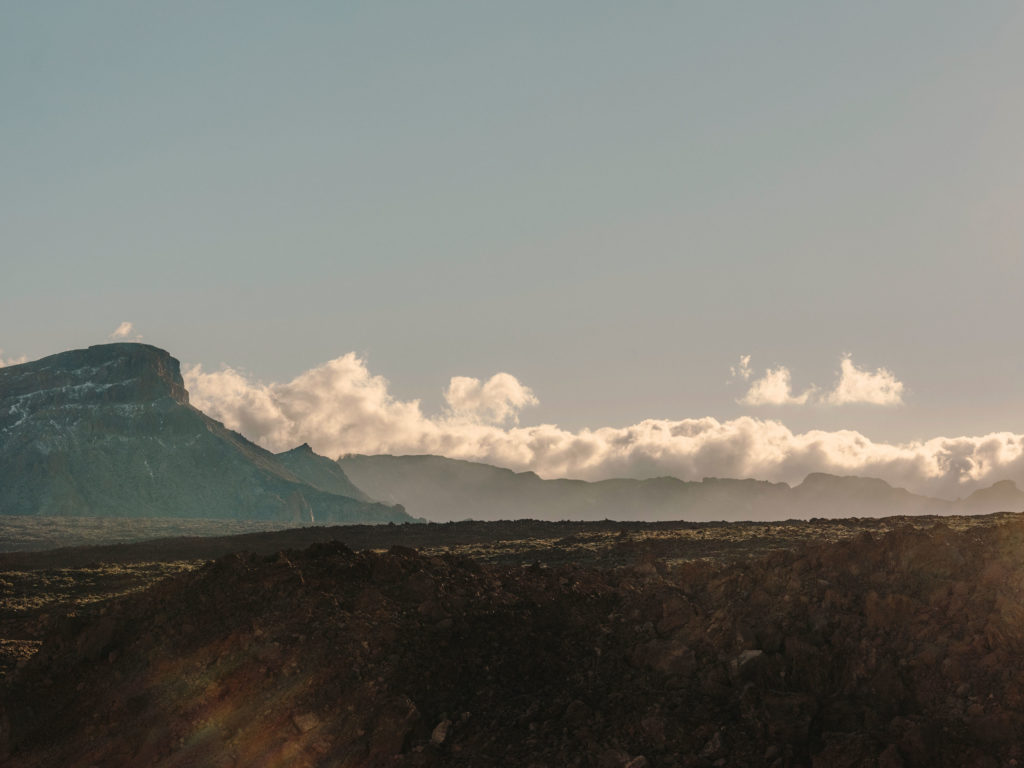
column 832, row 643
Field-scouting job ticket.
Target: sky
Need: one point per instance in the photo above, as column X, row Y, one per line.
column 787, row 235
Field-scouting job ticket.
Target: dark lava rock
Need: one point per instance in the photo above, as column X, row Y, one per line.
column 881, row 654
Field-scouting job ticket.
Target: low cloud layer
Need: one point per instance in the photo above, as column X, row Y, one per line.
column 855, row 386
column 340, row 407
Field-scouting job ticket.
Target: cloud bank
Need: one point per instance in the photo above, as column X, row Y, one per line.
column 855, row 385
column 340, row 407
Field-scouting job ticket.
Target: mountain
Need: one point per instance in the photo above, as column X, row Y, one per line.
column 319, row 472
column 441, row 489
column 1004, row 496
column 108, row 431
column 824, row 495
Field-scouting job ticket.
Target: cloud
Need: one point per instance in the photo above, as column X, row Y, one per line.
column 337, row 407
column 11, row 360
column 125, row 331
column 855, row 385
column 774, row 388
column 497, row 401
column 860, row 386
column 340, row 407
column 743, row 369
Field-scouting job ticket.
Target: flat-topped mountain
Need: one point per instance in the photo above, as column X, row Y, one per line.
column 108, row 431
column 441, row 489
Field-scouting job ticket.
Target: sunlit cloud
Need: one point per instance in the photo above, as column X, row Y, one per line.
column 340, row 407
column 742, row 369
column 496, row 401
column 855, row 385
column 125, row 331
column 774, row 388
column 5, row 361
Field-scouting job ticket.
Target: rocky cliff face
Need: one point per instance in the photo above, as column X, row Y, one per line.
column 100, row 374
column 108, row 431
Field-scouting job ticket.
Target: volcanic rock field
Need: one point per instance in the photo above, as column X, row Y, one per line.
column 896, row 642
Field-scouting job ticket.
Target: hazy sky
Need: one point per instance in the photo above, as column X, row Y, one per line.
column 613, row 203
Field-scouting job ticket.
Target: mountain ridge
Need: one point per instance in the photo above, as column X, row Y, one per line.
column 441, row 489
column 109, row 431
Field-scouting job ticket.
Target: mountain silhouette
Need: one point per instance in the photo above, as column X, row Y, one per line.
column 108, row 431
column 442, row 489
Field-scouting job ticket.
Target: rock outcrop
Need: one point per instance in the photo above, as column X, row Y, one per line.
column 108, row 431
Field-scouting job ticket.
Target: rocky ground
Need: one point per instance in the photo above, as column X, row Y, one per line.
column 30, row 533
column 860, row 643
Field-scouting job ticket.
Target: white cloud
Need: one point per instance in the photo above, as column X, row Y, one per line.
column 857, row 385
column 125, row 331
column 337, row 407
column 340, row 407
column 497, row 401
column 11, row 360
column 774, row 388
column 743, row 369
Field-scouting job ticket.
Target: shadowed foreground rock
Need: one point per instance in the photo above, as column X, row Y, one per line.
column 906, row 650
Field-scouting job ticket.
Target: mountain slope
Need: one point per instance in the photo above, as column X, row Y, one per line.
column 108, row 431
column 833, row 496
column 441, row 489
column 1004, row 495
column 319, row 472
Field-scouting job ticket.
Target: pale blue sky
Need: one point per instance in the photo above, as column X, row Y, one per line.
column 610, row 201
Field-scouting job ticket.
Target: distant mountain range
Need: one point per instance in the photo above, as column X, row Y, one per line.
column 441, row 489
column 108, row 431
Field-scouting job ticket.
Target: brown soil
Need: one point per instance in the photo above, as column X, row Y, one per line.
column 830, row 643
